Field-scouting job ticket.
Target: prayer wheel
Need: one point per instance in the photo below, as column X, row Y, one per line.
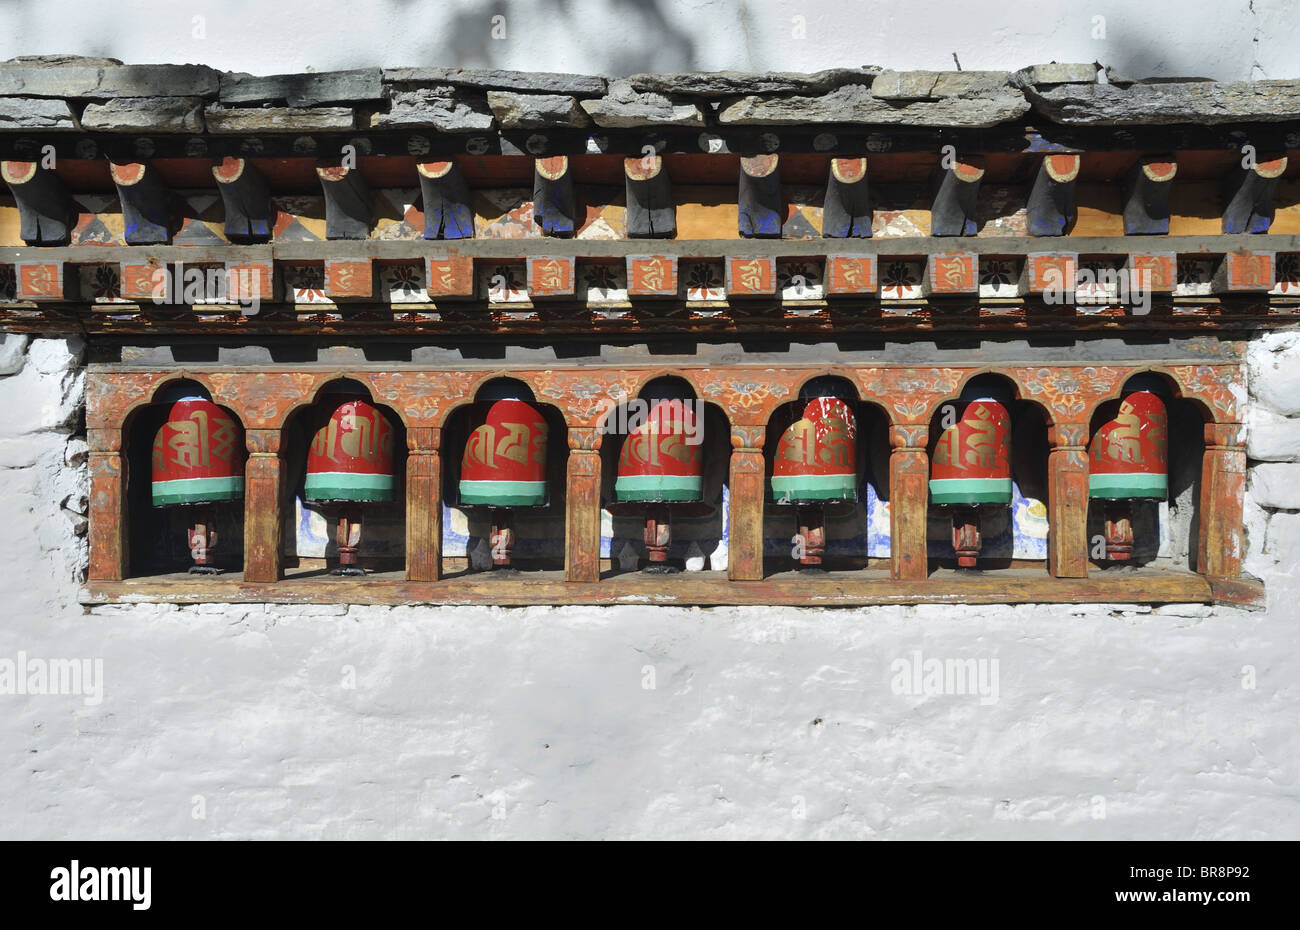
column 350, row 463
column 198, row 461
column 970, row 471
column 816, row 464
column 504, row 467
column 1128, row 460
column 661, row 464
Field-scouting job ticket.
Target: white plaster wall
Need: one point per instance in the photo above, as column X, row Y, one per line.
column 1109, row 722
column 1221, row 39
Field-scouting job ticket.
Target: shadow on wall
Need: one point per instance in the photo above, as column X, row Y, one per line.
column 467, row 41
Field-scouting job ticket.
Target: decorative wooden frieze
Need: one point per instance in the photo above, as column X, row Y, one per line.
column 250, row 281
column 349, row 202
column 1244, row 272
column 45, row 210
column 650, row 210
column 1050, row 206
column 751, row 277
column 760, row 207
column 846, row 211
column 550, row 276
column 148, row 215
column 553, row 202
column 850, row 274
column 448, row 210
column 954, row 208
column 449, row 276
column 1248, row 195
column 951, row 274
column 39, row 281
column 1049, row 271
column 1156, row 272
column 349, row 278
column 246, row 198
column 652, row 276
column 1146, row 195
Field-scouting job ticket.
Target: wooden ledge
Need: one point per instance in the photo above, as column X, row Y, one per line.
column 705, row 589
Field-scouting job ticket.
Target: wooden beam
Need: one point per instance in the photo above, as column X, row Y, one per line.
column 909, row 498
column 109, row 519
column 249, row 217
column 1219, row 544
column 423, row 504
column 1146, row 195
column 448, row 210
column 1248, row 195
column 45, row 211
column 1051, row 199
column 954, row 209
column 650, row 210
column 1067, row 501
column 553, row 202
column 582, row 506
column 761, row 207
column 747, row 489
column 263, row 506
column 846, row 211
column 148, row 216
column 349, row 202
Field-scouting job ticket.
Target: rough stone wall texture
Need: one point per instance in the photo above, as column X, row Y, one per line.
column 238, row 721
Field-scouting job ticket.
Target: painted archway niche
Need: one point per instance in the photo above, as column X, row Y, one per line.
column 988, row 485
column 665, row 455
column 342, row 506
column 183, row 458
column 826, row 501
column 503, row 483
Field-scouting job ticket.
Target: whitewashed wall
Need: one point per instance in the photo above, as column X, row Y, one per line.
column 224, row 721
column 1222, row 39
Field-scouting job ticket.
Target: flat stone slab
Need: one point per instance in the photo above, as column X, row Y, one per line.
column 221, row 120
column 78, row 79
column 732, row 83
column 35, row 113
column 145, row 114
column 447, row 109
column 625, row 108
column 1203, row 102
column 536, row 111
column 303, row 90
column 858, row 105
column 577, row 85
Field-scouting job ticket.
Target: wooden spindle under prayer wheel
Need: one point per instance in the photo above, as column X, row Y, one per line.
column 350, row 464
column 971, row 472
column 659, row 465
column 504, row 468
column 1127, row 462
column 816, row 464
column 198, row 460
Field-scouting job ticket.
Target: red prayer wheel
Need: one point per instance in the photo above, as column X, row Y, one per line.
column 504, row 466
column 198, row 461
column 662, row 462
column 816, row 463
column 971, row 470
column 350, row 461
column 1128, row 460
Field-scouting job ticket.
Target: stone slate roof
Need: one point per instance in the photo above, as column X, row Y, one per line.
column 69, row 93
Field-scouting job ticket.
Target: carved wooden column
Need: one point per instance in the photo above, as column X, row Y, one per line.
column 1223, row 492
column 1067, row 501
column 745, row 520
column 582, row 506
column 262, row 497
column 108, row 511
column 909, row 501
column 423, row 503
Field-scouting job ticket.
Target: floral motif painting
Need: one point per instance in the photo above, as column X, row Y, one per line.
column 800, row 280
column 999, row 278
column 1287, row 275
column 602, row 282
column 1194, row 276
column 703, row 280
column 901, row 280
column 304, row 283
column 503, row 282
column 404, row 284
